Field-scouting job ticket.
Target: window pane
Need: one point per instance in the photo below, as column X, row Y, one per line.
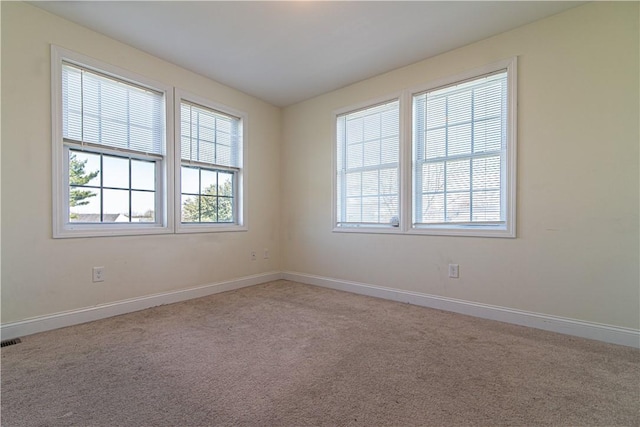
column 458, row 207
column 370, row 183
column 457, row 175
column 213, row 200
column 190, row 208
column 433, row 208
column 459, row 140
column 388, row 181
column 143, row 206
column 225, row 184
column 487, row 135
column 436, row 143
column 84, row 204
column 354, row 156
column 486, row 205
column 354, row 209
column 115, row 205
column 115, row 172
column 84, row 168
column 370, row 209
column 208, row 184
column 433, row 177
column 143, row 175
column 354, row 184
column 225, row 209
column 486, row 173
column 208, row 209
column 190, row 180
column 388, row 208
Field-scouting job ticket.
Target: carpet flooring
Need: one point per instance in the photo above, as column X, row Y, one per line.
column 287, row 354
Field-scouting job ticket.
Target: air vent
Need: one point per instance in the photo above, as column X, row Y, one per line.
column 7, row 343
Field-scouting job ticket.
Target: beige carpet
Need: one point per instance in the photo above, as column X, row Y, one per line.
column 286, row 354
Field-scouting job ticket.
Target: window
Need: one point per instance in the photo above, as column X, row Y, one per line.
column 462, row 139
column 110, row 139
column 127, row 159
column 211, row 166
column 368, row 154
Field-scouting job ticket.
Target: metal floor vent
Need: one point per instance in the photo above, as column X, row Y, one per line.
column 7, row 343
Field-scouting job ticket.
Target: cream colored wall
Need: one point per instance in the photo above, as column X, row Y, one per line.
column 577, row 249
column 41, row 275
column 576, row 254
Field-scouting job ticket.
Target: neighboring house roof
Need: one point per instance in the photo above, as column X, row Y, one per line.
column 96, row 218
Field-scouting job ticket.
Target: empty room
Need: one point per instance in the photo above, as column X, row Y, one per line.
column 308, row 213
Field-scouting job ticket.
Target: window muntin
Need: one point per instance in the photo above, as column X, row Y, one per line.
column 460, row 141
column 211, row 159
column 368, row 155
column 110, row 188
column 207, row 195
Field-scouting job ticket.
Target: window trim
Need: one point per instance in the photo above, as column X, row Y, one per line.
column 241, row 190
column 62, row 228
column 406, row 190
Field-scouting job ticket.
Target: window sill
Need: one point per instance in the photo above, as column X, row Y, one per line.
column 209, row 228
column 105, row 230
column 461, row 231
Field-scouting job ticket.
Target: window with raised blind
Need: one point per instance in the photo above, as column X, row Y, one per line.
column 368, row 155
column 460, row 146
column 110, row 138
column 211, row 165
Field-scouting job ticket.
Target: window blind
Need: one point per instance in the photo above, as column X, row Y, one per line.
column 368, row 153
column 210, row 137
column 105, row 111
column 460, row 142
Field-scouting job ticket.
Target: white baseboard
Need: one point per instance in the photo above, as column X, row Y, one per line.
column 75, row 317
column 606, row 333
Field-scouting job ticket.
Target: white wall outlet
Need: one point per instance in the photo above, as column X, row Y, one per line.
column 98, row 274
column 265, row 254
column 454, row 271
column 253, row 255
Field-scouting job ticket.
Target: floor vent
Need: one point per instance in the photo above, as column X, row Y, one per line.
column 7, row 343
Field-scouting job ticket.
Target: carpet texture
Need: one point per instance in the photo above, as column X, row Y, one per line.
column 287, row 354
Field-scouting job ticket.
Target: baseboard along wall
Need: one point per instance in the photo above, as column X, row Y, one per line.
column 606, row 333
column 89, row 314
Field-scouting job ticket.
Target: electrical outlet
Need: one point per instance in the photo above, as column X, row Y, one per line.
column 266, row 253
column 454, row 271
column 98, row 274
column 253, row 255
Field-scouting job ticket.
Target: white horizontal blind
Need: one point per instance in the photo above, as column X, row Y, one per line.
column 368, row 152
column 210, row 137
column 108, row 112
column 460, row 145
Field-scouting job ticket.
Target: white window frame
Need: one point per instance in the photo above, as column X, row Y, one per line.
column 507, row 229
column 62, row 227
column 240, row 190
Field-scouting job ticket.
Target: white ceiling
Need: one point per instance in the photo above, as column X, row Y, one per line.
column 286, row 52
